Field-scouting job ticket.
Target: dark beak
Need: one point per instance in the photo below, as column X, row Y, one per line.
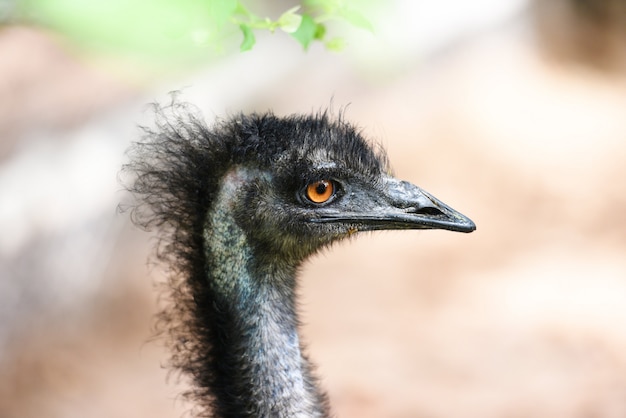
column 395, row 205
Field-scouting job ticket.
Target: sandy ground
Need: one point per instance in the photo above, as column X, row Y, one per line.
column 526, row 317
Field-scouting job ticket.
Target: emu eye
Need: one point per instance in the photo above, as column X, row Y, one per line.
column 320, row 191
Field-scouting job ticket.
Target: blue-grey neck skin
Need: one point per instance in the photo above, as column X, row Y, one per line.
column 259, row 364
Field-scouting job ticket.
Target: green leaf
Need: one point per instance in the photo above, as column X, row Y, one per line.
column 248, row 38
column 290, row 20
column 335, row 44
column 220, row 11
column 320, row 32
column 357, row 19
column 306, row 31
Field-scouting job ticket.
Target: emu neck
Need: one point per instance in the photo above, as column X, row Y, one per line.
column 259, row 369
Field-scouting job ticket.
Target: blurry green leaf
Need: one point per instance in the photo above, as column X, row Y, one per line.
column 290, row 21
column 306, row 31
column 177, row 31
column 335, row 44
column 221, row 11
column 248, row 38
column 320, row 32
column 327, row 6
column 357, row 19
column 241, row 9
column 151, row 29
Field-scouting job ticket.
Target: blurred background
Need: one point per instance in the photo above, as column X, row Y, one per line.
column 513, row 112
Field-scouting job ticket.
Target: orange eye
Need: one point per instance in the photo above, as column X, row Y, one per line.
column 320, row 191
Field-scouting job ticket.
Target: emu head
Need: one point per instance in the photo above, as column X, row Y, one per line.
column 302, row 182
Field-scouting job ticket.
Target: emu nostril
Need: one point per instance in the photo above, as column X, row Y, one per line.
column 427, row 210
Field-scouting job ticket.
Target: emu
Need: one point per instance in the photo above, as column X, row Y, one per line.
column 240, row 205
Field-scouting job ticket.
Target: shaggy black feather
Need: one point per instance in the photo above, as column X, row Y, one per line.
column 179, row 165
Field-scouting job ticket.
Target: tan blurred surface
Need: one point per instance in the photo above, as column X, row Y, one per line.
column 526, row 317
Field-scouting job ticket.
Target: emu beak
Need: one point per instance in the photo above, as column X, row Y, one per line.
column 409, row 207
column 395, row 205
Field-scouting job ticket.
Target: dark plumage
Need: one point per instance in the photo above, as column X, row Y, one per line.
column 240, row 205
